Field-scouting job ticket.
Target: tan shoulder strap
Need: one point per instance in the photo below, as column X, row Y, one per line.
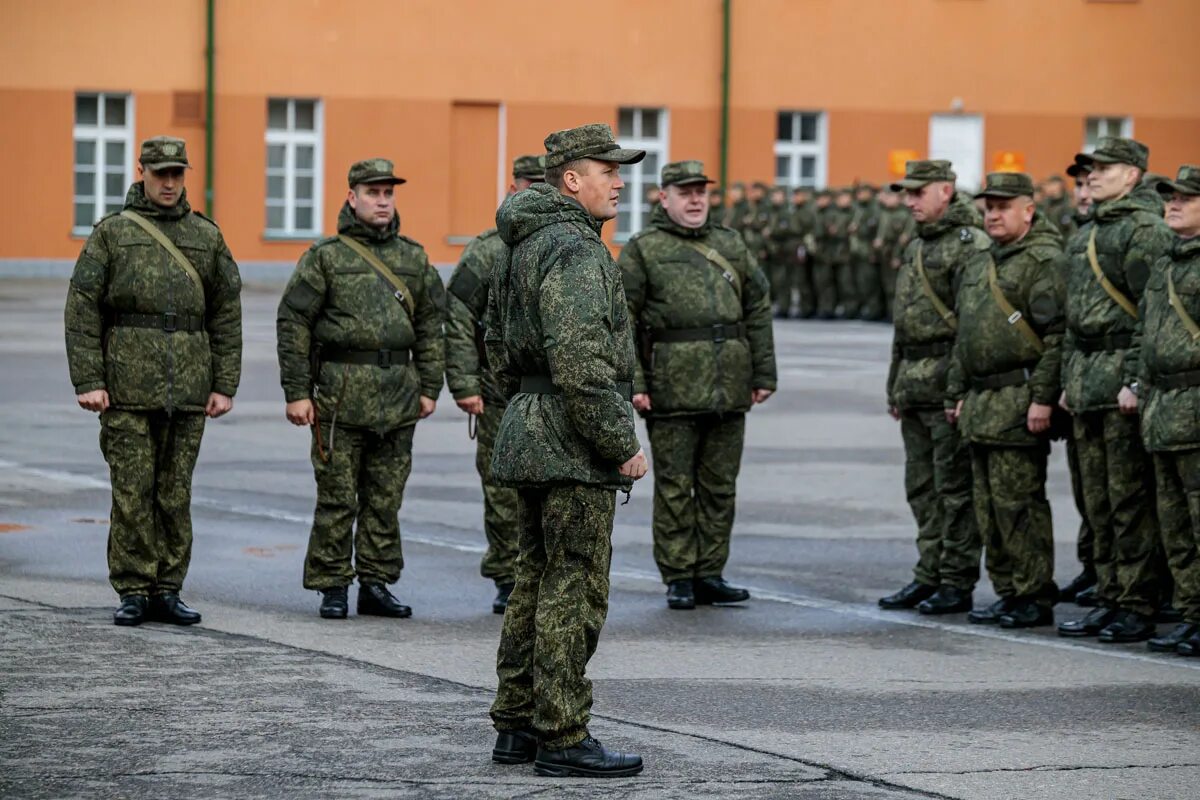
column 167, row 245
column 1105, row 284
column 1014, row 317
column 401, row 293
column 719, row 262
column 938, row 305
column 1177, row 304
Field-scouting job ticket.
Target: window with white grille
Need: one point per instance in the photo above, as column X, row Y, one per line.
column 103, row 155
column 294, row 167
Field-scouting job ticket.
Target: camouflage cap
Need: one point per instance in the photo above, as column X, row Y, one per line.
column 531, row 168
column 373, row 170
column 681, row 173
column 1007, row 184
column 1116, row 150
column 164, row 152
column 761, row 186
column 593, row 141
column 1187, row 181
column 922, row 173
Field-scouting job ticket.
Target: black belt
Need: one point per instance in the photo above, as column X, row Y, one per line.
column 1177, row 380
column 1104, row 344
column 378, row 358
column 914, row 352
column 998, row 380
column 709, row 333
column 169, row 322
column 541, row 384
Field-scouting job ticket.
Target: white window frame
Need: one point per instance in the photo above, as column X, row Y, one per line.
column 102, row 135
column 633, row 196
column 795, row 149
column 1125, row 125
column 289, row 139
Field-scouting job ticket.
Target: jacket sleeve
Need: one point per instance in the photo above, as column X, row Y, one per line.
column 1148, row 244
column 756, row 311
column 465, row 306
column 84, row 315
column 1133, row 369
column 429, row 350
column 493, row 330
column 224, row 323
column 633, row 276
column 301, row 305
column 1047, row 311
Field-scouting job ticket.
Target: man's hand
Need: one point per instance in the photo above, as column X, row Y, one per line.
column 1062, row 402
column 894, row 413
column 471, row 405
column 952, row 414
column 93, row 401
column 635, row 467
column 1038, row 418
column 760, row 395
column 301, row 412
column 641, row 402
column 1127, row 401
column 428, row 404
column 218, row 405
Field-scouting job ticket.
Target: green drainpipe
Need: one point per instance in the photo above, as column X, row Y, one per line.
column 209, row 122
column 725, row 25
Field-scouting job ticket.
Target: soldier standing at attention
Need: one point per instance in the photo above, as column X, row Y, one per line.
column 701, row 307
column 361, row 357
column 474, row 387
column 1056, row 206
column 824, row 281
column 560, row 344
column 802, row 246
column 841, row 216
column 782, row 257
column 937, row 471
column 154, row 344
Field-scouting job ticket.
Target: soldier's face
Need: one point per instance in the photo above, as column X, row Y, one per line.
column 1007, row 219
column 1083, row 195
column 1183, row 214
column 737, row 194
column 1110, row 181
column 686, row 205
column 163, row 187
column 843, row 200
column 928, row 203
column 597, row 187
column 373, row 203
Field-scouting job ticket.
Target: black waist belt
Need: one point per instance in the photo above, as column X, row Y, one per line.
column 1104, row 344
column 709, row 333
column 998, row 380
column 541, row 384
column 169, row 322
column 1177, row 380
column 379, row 358
column 914, row 352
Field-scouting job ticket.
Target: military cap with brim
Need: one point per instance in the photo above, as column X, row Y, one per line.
column 531, row 168
column 1079, row 170
column 682, row 173
column 1116, row 150
column 922, row 173
column 1187, row 181
column 373, row 170
column 164, row 152
column 593, row 141
column 1006, row 185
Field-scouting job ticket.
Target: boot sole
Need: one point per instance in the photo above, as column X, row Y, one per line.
column 680, row 606
column 333, row 614
column 128, row 623
column 387, row 614
column 563, row 771
column 1160, row 648
column 707, row 602
column 1077, row 634
column 512, row 757
column 933, row 612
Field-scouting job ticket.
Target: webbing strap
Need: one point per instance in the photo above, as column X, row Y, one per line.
column 167, row 245
column 1124, row 302
column 401, row 293
column 938, row 305
column 1177, row 304
column 1014, row 317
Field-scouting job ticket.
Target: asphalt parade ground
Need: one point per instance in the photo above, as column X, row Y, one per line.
column 808, row 691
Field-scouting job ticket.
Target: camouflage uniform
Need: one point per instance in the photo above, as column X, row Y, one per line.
column 803, row 245
column 560, row 342
column 375, row 356
column 893, row 228
column 1085, row 539
column 139, row 327
column 705, row 344
column 824, row 281
column 864, row 256
column 937, row 474
column 756, row 224
column 838, row 252
column 781, row 253
column 1058, row 211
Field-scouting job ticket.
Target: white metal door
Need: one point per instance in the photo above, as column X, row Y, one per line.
column 959, row 139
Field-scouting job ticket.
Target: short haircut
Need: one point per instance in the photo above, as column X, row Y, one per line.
column 554, row 175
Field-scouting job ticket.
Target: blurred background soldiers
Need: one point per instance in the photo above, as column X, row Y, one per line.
column 823, row 278
column 755, row 225
column 474, row 387
column 865, row 250
column 716, row 204
column 651, row 197
column 702, row 309
column 891, row 238
column 154, row 344
column 937, row 472
column 782, row 263
column 841, row 215
column 1056, row 206
column 361, row 358
column 737, row 208
column 1003, row 386
column 1109, row 268
column 802, row 245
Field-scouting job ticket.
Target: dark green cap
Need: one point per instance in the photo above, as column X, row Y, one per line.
column 681, row 173
column 923, row 173
column 1007, row 184
column 373, row 170
column 1079, row 171
column 1186, row 182
column 164, row 152
column 762, row 187
column 593, row 141
column 1116, row 150
column 531, row 168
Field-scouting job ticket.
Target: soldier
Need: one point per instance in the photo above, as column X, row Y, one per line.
column 756, row 223
column 865, row 252
column 803, row 246
column 1001, row 391
column 361, row 357
column 890, row 240
column 782, row 258
column 823, row 278
column 716, row 201
column 702, row 310
column 561, row 346
column 841, row 216
column 1109, row 267
column 1165, row 359
column 737, row 210
column 474, row 387
column 1056, row 206
column 937, row 473
column 154, row 344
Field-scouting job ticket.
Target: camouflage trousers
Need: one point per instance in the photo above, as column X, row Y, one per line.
column 887, row 279
column 359, row 492
column 1118, row 491
column 937, row 481
column 784, row 279
column 499, row 504
column 555, row 613
column 151, row 456
column 824, row 283
column 1085, row 540
column 696, row 462
column 848, row 300
column 868, row 288
column 1009, row 490
column 1177, row 479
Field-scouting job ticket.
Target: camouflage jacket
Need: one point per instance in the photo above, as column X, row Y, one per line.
column 779, row 231
column 755, row 227
column 1130, row 237
column 804, row 228
column 1162, row 346
column 335, row 300
column 671, row 286
column 893, row 227
column 951, row 247
column 864, row 227
column 837, row 234
column 1030, row 274
column 467, row 374
column 123, row 270
column 556, row 308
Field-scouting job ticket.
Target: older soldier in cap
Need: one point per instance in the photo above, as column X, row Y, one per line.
column 937, row 472
column 702, row 309
column 561, row 346
column 474, row 387
column 1002, row 389
column 361, row 357
column 1109, row 268
column 154, row 344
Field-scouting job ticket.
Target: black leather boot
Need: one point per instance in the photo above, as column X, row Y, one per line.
column 168, row 607
column 1084, row 580
column 990, row 615
column 334, row 603
column 515, row 747
column 132, row 610
column 375, row 600
column 1087, row 598
column 503, row 591
column 1168, row 614
column 680, row 595
column 716, row 590
column 1091, row 624
column 1190, row 646
column 908, row 597
column 1027, row 614
column 1170, row 643
column 588, row 759
column 946, row 600
column 1129, row 626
